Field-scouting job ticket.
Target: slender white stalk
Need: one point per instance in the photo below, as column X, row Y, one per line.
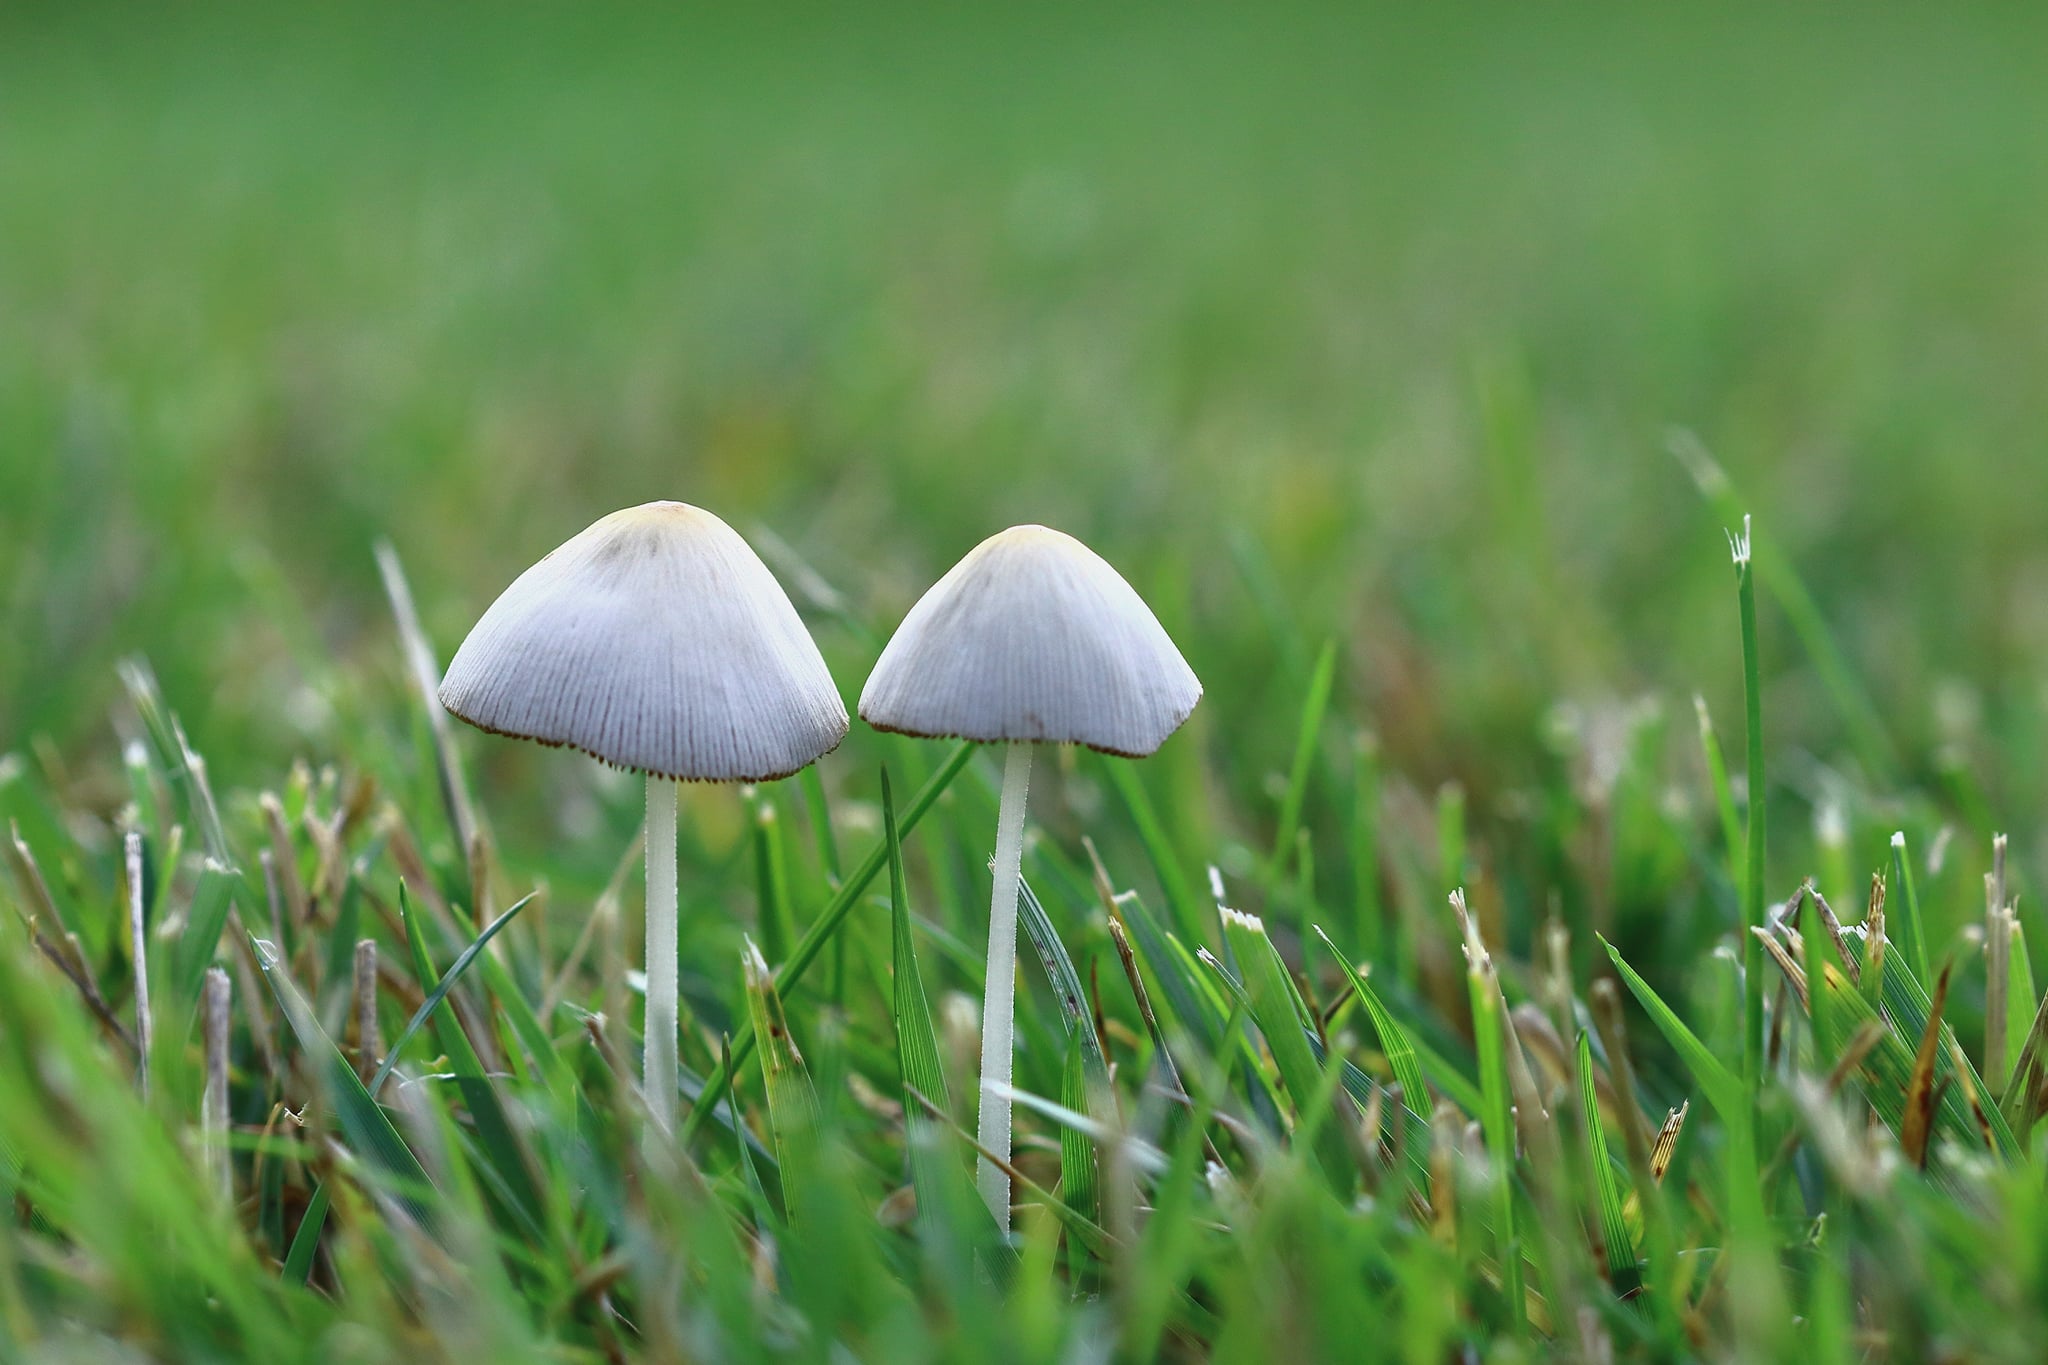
column 213, row 1103
column 999, row 993
column 369, row 1047
column 139, row 942
column 659, row 1074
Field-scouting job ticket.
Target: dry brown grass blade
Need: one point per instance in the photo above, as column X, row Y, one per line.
column 1861, row 1045
column 1539, row 1039
column 62, row 949
column 1959, row 1063
column 1833, row 926
column 1443, row 1174
column 285, row 861
column 1918, row 1124
column 1666, row 1145
column 1792, row 970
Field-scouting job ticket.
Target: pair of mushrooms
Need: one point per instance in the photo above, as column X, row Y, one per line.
column 657, row 640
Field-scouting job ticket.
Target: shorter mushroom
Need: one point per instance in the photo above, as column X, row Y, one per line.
column 655, row 640
column 1031, row 639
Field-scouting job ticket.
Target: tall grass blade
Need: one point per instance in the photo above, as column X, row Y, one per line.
column 1065, row 980
column 1277, row 1010
column 1622, row 1269
column 1078, row 1184
column 823, row 928
column 1866, row 725
column 1496, row 1114
column 1723, row 1087
column 1308, row 731
column 1186, row 908
column 792, row 1103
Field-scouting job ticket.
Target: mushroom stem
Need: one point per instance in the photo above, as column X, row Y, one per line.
column 659, row 1075
column 999, row 992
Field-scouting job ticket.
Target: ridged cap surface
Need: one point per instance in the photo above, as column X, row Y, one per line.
column 1033, row 636
column 656, row 640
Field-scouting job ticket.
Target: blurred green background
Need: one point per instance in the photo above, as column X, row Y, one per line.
column 1371, row 326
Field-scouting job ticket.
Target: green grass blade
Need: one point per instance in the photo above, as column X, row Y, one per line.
column 771, row 882
column 1066, row 982
column 1308, row 730
column 1865, row 723
column 917, row 1042
column 1186, row 1000
column 792, row 1104
column 944, row 1192
column 1732, row 837
column 1496, row 1114
column 505, row 1153
column 1753, row 838
column 440, row 989
column 1723, row 1087
column 1180, row 895
column 1907, row 1006
column 819, row 812
column 1078, row 1186
column 1395, row 1044
column 1366, row 928
column 823, row 928
column 365, row 1125
column 2020, row 1001
column 299, row 1259
column 1275, row 1007
column 1902, row 911
column 1622, row 1268
column 207, row 916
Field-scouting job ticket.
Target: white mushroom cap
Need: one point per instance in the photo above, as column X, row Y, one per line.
column 1033, row 636
column 656, row 640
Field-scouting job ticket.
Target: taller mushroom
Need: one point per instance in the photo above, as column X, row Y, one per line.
column 1031, row 639
column 655, row 640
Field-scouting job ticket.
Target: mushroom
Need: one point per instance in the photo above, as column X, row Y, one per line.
column 655, row 640
column 1031, row 639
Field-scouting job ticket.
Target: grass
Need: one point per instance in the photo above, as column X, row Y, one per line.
column 1410, row 365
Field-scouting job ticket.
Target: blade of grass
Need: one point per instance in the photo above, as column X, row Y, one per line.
column 1180, row 895
column 1496, row 1114
column 1902, row 908
column 792, row 1104
column 824, row 927
column 205, row 918
column 1276, row 1008
column 1732, row 835
column 299, row 1258
column 942, row 1187
column 1066, row 982
column 363, row 1121
column 1078, row 1188
column 1723, row 1087
column 1622, row 1270
column 1395, row 1044
column 1365, row 845
column 1753, row 840
column 1866, row 725
column 424, row 674
column 503, row 1150
column 1308, row 730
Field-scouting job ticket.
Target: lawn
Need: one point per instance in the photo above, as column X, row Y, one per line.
column 1418, row 368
